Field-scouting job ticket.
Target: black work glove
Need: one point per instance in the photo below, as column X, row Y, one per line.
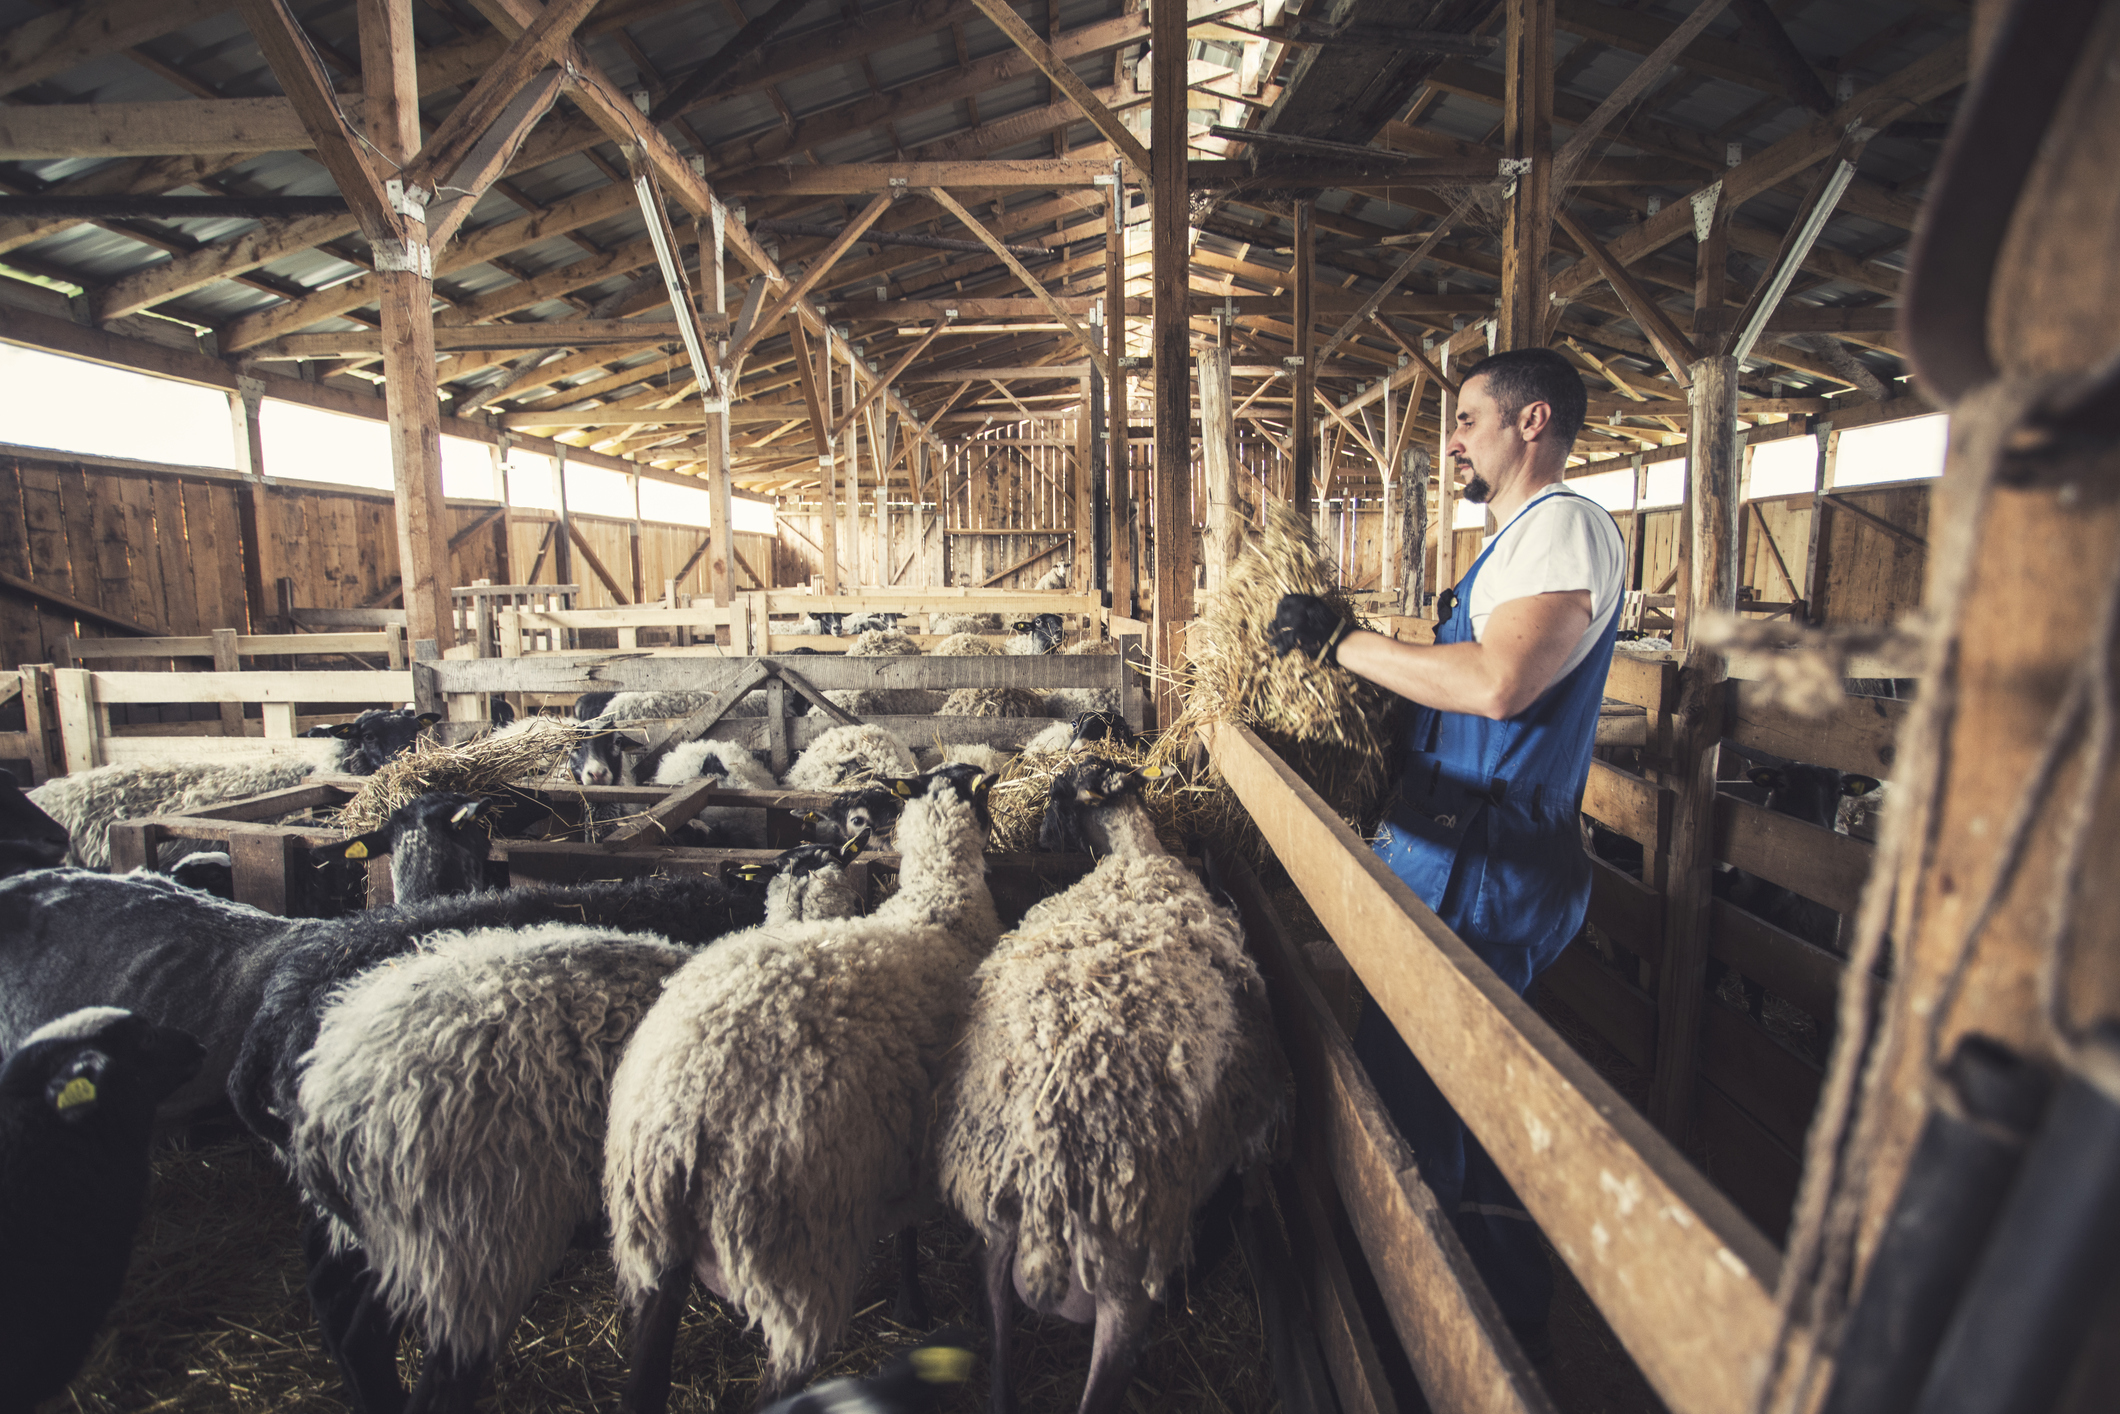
column 1306, row 622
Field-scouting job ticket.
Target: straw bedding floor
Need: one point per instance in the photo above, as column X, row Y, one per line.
column 214, row 1318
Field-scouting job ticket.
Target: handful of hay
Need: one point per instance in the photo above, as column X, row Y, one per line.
column 526, row 754
column 1329, row 723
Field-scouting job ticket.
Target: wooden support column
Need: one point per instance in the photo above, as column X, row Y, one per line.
column 1527, row 140
column 1302, row 438
column 1084, row 578
column 721, row 513
column 261, row 559
column 1218, row 450
column 1119, row 564
column 1445, row 477
column 814, row 395
column 1169, row 219
column 1681, row 993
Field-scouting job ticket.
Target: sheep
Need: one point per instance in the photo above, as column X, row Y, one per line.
column 73, row 938
column 437, row 845
column 872, row 808
column 380, row 736
column 1057, row 737
column 1040, row 633
column 359, row 1328
column 911, row 1382
column 209, row 871
column 77, row 1100
column 1118, row 1062
column 450, row 1124
column 965, row 645
column 736, row 769
column 1054, row 578
column 991, row 702
column 1072, row 702
column 947, row 624
column 872, row 702
column 86, row 803
column 21, row 819
column 849, row 756
column 809, row 882
column 767, row 1123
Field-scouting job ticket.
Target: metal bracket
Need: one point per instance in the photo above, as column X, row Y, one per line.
column 412, row 255
column 949, row 314
column 1704, row 203
column 1494, row 334
column 1104, row 179
column 406, row 201
column 1508, row 169
column 1733, row 153
column 1292, row 361
column 640, row 99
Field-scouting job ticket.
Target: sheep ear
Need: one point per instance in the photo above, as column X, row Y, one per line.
column 343, row 731
column 1767, row 776
column 1858, row 785
column 470, row 810
column 983, row 783
column 359, row 847
column 428, row 719
column 854, row 846
column 904, row 788
column 1150, row 773
column 1022, row 626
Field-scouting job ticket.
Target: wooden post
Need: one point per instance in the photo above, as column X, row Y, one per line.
column 1084, row 578
column 1527, row 138
column 1414, row 517
column 816, row 397
column 261, row 561
column 39, row 721
column 1302, row 440
column 1814, row 557
column 1445, row 479
column 721, row 513
column 225, row 660
column 563, row 534
column 1173, row 374
column 1120, row 573
column 1218, row 450
column 1681, row 992
column 80, row 721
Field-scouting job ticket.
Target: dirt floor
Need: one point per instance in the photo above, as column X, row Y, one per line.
column 214, row 1317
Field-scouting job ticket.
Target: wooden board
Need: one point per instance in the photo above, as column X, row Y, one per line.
column 1685, row 1281
column 1766, row 1079
column 1859, row 736
column 1817, row 863
column 1627, row 911
column 1758, row 1171
column 1623, row 801
column 371, row 687
column 585, row 672
column 1783, row 963
column 1611, row 1006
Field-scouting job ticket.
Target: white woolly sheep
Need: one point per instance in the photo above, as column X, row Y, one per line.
column 1057, row 737
column 1072, row 702
column 965, row 645
column 873, row 808
column 845, row 757
column 737, row 769
column 86, row 803
column 77, row 1100
column 899, row 701
column 964, row 623
column 1117, row 1062
column 451, row 1118
column 767, row 1123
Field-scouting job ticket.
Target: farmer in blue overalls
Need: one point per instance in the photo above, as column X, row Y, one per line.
column 1485, row 826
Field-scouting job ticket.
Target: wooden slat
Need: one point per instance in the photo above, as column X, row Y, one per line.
column 1625, row 802
column 1624, row 1015
column 248, row 644
column 598, row 672
column 1758, row 1171
column 1646, row 682
column 253, row 687
column 1821, row 865
column 1451, row 1329
column 1859, row 736
column 1783, row 963
column 1767, row 1080
column 1685, row 1281
column 1627, row 911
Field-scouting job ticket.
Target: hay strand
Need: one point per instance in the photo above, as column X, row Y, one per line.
column 528, row 753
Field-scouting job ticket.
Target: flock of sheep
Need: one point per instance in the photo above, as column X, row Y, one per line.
column 744, row 1084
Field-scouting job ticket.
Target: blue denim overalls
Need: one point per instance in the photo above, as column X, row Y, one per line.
column 1486, row 831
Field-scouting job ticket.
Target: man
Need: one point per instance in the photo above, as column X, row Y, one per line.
column 1485, row 825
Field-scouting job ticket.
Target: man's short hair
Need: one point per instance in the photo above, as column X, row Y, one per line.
column 1520, row 377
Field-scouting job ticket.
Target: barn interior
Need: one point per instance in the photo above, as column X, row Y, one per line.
column 476, row 355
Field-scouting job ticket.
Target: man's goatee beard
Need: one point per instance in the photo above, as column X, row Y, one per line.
column 1477, row 490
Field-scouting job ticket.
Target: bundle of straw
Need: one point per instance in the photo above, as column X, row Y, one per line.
column 526, row 754
column 1328, row 722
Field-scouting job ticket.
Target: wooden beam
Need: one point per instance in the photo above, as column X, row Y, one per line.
column 1652, row 67
column 813, row 390
column 1302, row 436
column 478, row 110
column 752, row 37
column 1064, row 78
column 40, row 48
column 1170, row 342
column 338, row 144
column 791, row 298
column 1016, row 268
column 847, row 178
column 1023, row 564
column 231, row 125
column 1527, row 142
column 889, row 376
column 1375, row 303
column 570, row 334
column 1676, row 350
column 1070, row 372
column 1119, row 487
column 596, row 563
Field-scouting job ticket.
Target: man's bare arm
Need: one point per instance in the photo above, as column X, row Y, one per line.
column 1527, row 642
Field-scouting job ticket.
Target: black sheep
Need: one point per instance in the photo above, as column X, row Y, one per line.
column 77, row 1102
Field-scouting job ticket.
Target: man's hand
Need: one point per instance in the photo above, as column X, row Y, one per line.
column 1306, row 622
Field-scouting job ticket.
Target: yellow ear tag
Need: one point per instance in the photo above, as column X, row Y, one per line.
column 78, row 1091
column 1153, row 773
column 850, row 849
column 357, row 850
column 942, row 1364
column 903, row 789
column 463, row 813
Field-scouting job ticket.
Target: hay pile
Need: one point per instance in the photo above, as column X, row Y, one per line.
column 1330, row 725
column 1183, row 811
column 528, row 753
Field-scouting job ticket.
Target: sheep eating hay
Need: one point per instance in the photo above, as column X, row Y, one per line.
column 88, row 802
column 1118, row 1061
column 529, row 750
column 845, row 757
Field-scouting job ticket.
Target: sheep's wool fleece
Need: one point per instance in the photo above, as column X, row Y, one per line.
column 964, row 623
column 848, row 756
column 452, row 1114
column 87, row 802
column 965, row 645
column 884, row 643
column 770, row 1116
column 1117, row 1061
column 730, row 760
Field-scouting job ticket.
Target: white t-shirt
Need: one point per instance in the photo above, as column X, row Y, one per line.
column 1555, row 543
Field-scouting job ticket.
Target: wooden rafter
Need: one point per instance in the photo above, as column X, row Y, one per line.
column 1023, row 275
column 1067, row 81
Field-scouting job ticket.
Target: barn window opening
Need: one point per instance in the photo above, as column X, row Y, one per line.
column 1784, row 467
column 1907, row 450
column 70, row 405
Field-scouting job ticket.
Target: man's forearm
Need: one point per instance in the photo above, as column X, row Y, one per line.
column 1455, row 677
